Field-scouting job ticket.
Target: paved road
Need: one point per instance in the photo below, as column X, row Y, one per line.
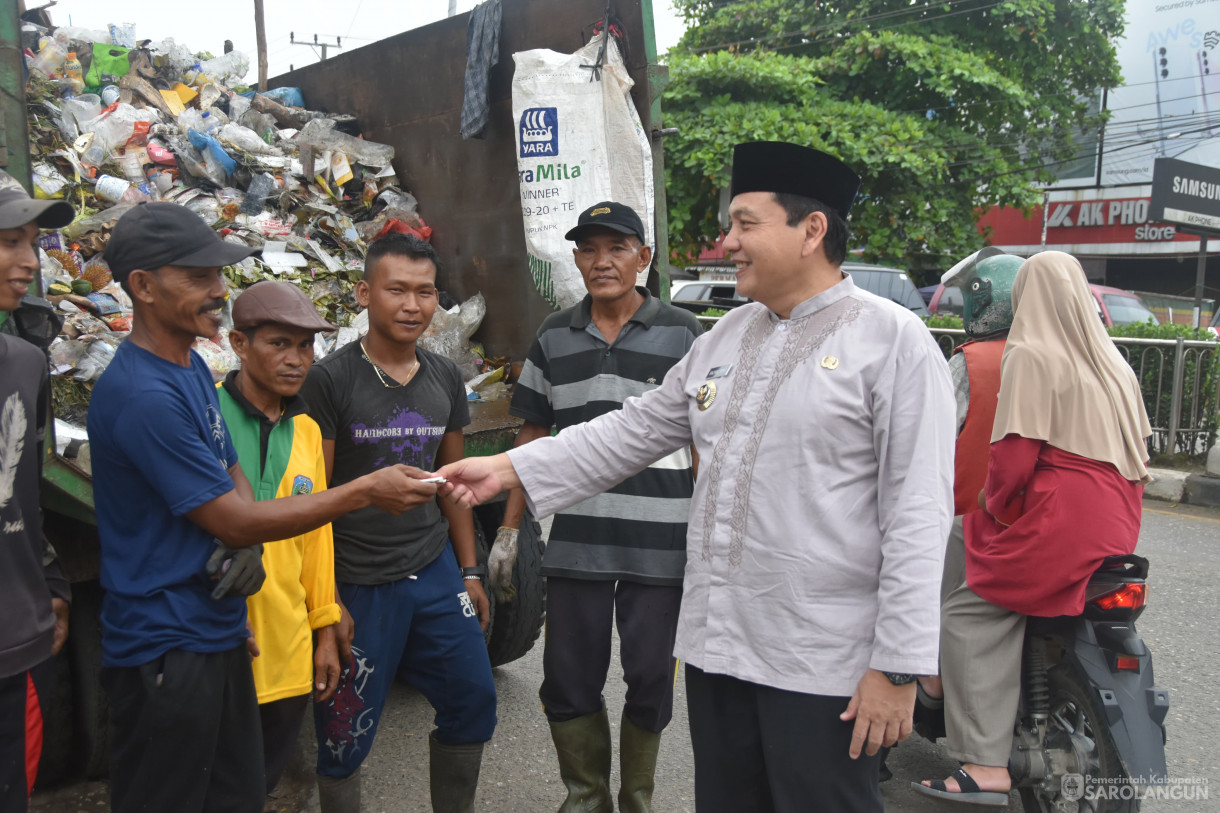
column 1181, row 625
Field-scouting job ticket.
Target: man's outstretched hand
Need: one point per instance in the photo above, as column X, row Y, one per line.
column 399, row 488
column 475, row 480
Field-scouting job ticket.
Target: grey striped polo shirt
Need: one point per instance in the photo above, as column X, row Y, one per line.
column 636, row 530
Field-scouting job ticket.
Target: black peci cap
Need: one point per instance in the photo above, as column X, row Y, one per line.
column 776, row 166
column 615, row 216
column 153, row 235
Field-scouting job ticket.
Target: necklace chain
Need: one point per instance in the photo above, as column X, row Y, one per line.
column 381, row 375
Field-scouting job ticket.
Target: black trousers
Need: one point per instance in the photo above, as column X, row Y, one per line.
column 185, row 734
column 576, row 657
column 23, row 706
column 759, row 749
column 281, row 723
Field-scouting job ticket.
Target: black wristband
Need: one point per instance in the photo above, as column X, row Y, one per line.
column 475, row 570
column 899, row 678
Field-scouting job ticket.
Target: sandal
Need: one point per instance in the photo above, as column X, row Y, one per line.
column 968, row 791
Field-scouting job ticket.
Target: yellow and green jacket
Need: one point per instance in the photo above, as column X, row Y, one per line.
column 282, row 459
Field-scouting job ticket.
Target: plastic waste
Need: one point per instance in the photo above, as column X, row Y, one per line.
column 50, row 59
column 450, row 331
column 228, row 69
column 76, row 33
column 289, row 97
column 213, row 153
column 67, row 352
column 261, row 124
column 80, row 109
column 321, row 135
column 97, row 222
column 177, row 57
column 48, row 182
column 117, row 190
column 74, row 74
column 131, row 164
column 238, row 105
column 95, row 361
column 262, row 187
column 243, row 138
column 123, row 34
column 115, row 128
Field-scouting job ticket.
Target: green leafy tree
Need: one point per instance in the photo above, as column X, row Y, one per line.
column 945, row 109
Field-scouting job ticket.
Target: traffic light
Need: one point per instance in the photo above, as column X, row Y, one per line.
column 1164, row 63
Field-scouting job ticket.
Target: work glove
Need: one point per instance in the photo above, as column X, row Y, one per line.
column 236, row 571
column 501, row 562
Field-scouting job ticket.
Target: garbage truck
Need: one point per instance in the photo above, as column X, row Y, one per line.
column 405, row 91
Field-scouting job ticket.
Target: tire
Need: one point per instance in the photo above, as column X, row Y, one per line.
column 55, row 764
column 1075, row 731
column 516, row 624
column 92, row 706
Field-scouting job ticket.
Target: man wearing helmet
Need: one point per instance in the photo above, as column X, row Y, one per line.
column 985, row 279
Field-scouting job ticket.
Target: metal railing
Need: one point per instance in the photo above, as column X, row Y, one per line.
column 1178, row 379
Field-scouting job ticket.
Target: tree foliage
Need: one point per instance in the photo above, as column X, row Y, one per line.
column 945, row 109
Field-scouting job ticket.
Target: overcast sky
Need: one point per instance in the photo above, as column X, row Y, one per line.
column 205, row 26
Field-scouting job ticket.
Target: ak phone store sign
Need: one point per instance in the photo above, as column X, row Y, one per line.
column 1186, row 194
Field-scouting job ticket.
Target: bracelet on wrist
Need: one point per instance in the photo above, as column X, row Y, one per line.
column 472, row 578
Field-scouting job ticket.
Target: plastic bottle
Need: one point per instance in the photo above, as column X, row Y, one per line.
column 74, row 74
column 208, row 123
column 117, row 190
column 132, row 166
column 220, row 164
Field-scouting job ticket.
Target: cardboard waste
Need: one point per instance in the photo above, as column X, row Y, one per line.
column 118, row 125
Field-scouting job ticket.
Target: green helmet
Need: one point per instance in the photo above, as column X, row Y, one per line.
column 985, row 278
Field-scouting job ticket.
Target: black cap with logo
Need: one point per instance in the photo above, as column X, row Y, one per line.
column 153, row 235
column 608, row 214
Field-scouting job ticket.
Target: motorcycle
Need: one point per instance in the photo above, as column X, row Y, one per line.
column 1090, row 733
column 1090, row 730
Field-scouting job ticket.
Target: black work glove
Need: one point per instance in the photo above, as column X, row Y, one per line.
column 237, row 571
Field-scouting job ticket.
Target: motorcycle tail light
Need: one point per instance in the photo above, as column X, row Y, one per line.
column 1123, row 597
column 1128, row 663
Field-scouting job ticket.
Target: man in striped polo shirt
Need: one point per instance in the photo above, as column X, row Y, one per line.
column 621, row 553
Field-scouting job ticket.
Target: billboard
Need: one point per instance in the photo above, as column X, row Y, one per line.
column 1169, row 103
column 1186, row 194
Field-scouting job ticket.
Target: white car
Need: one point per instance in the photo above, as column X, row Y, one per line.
column 892, row 283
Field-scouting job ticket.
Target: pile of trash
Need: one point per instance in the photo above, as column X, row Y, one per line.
column 114, row 122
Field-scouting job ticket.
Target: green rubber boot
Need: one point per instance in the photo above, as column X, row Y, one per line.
column 638, row 764
column 583, row 748
column 453, row 774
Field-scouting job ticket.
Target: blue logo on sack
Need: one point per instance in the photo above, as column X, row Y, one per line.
column 540, row 132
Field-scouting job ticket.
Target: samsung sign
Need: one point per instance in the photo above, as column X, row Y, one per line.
column 1186, row 194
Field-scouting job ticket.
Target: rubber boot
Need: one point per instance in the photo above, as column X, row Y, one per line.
column 583, row 748
column 453, row 774
column 339, row 795
column 637, row 754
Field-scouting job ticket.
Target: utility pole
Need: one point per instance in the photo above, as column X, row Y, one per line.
column 452, row 7
column 260, row 34
column 338, row 43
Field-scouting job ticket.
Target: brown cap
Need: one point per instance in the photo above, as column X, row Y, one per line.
column 278, row 303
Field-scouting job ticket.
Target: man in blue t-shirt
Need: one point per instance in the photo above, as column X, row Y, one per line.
column 185, row 730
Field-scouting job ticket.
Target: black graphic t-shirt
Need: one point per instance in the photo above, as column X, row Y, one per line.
column 374, row 426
